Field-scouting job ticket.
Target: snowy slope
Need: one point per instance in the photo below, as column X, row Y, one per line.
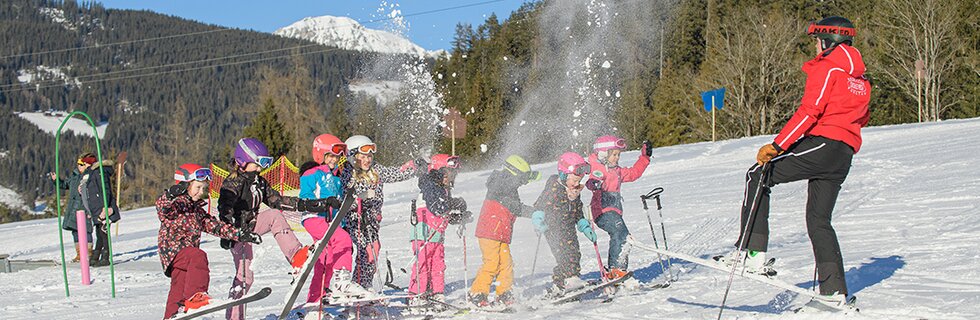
column 12, row 199
column 907, row 219
column 50, row 121
column 346, row 33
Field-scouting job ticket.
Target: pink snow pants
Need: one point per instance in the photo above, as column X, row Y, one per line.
column 336, row 256
column 267, row 221
column 429, row 270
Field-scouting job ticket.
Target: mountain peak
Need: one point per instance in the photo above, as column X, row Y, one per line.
column 347, row 33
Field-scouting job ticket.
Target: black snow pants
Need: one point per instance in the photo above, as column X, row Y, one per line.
column 563, row 242
column 825, row 164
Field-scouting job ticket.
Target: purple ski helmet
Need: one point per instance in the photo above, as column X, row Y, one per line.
column 251, row 150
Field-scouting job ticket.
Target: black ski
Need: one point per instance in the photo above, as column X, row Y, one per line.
column 225, row 305
column 299, row 281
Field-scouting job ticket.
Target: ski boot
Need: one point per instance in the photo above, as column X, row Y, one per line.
column 197, row 301
column 755, row 262
column 506, row 299
column 835, row 303
column 344, row 289
column 615, row 273
column 299, row 259
column 478, row 300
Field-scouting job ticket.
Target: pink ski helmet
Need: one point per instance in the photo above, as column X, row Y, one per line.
column 573, row 163
column 606, row 143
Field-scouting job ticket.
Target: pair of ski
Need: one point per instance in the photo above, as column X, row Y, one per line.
column 830, row 302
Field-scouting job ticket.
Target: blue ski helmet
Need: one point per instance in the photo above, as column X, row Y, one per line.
column 251, row 150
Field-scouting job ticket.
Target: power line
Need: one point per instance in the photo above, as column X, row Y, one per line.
column 178, row 70
column 229, row 29
column 51, row 83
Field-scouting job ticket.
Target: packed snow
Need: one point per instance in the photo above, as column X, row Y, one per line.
column 907, row 219
column 347, row 33
column 12, row 199
column 50, row 121
column 44, row 75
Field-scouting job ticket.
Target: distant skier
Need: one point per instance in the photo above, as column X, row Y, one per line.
column 832, row 112
column 560, row 214
column 438, row 210
column 182, row 219
column 320, row 180
column 92, row 199
column 241, row 195
column 73, row 186
column 607, row 203
column 366, row 179
column 495, row 227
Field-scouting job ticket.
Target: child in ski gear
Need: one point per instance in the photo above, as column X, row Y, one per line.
column 320, row 180
column 366, row 179
column 182, row 219
column 495, row 228
column 241, row 195
column 73, row 185
column 817, row 144
column 607, row 202
column 92, row 200
column 434, row 214
column 559, row 215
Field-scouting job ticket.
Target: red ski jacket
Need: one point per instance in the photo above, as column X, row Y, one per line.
column 835, row 100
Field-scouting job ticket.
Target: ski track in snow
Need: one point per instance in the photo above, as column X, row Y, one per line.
column 907, row 219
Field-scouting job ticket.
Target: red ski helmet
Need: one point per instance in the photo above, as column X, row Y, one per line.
column 327, row 143
column 191, row 172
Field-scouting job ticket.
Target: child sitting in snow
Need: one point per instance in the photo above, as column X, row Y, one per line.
column 182, row 219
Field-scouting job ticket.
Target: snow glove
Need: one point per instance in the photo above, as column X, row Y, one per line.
column 245, row 236
column 647, row 149
column 457, row 204
column 460, row 217
column 766, row 153
column 537, row 219
column 318, row 205
column 176, row 190
column 586, row 229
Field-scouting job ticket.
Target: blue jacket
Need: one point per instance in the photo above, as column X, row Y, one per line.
column 320, row 183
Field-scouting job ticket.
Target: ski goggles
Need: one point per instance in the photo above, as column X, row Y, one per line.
column 526, row 175
column 367, row 148
column 202, row 174
column 337, row 149
column 619, row 144
column 813, row 28
column 581, row 170
column 263, row 162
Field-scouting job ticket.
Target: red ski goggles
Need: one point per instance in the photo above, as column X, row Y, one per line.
column 202, row 174
column 337, row 149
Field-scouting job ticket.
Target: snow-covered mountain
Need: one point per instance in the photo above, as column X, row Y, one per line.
column 346, row 33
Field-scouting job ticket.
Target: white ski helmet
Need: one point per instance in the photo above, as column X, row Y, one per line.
column 360, row 144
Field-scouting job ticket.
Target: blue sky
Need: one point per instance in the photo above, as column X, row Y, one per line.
column 431, row 31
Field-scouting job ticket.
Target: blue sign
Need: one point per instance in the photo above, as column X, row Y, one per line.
column 713, row 98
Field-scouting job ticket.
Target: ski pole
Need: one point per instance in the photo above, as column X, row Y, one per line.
column 646, row 210
column 536, row 249
column 663, row 230
column 741, row 244
column 461, row 232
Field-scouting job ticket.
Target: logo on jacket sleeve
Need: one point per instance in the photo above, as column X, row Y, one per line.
column 857, row 86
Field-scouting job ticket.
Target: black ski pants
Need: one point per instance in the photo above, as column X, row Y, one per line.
column 563, row 242
column 825, row 164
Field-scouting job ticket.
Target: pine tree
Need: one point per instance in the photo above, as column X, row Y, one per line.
column 267, row 128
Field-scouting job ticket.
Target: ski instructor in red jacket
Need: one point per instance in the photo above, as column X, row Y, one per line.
column 816, row 145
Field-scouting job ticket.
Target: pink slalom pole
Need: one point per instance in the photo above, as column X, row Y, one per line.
column 83, row 246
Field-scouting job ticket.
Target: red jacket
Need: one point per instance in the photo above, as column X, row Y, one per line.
column 501, row 207
column 835, row 100
column 605, row 195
